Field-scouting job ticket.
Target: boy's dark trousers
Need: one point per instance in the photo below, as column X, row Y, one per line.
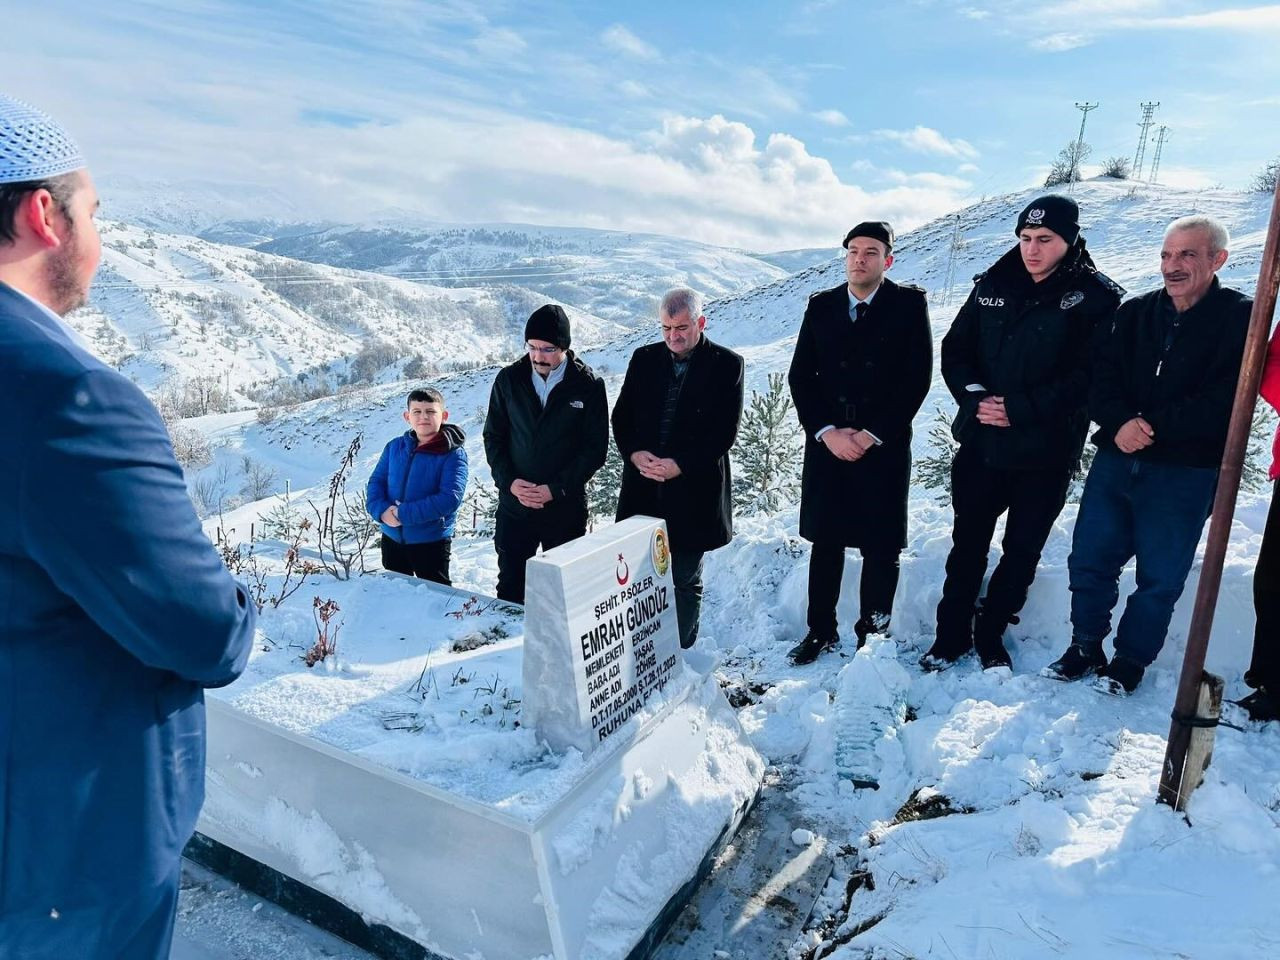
column 426, row 561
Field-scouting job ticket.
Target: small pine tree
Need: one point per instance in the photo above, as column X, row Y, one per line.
column 1254, row 475
column 1076, row 488
column 768, row 452
column 479, row 511
column 602, row 489
column 933, row 471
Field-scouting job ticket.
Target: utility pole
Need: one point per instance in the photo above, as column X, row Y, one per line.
column 1144, row 127
column 956, row 244
column 1076, row 157
column 1161, row 136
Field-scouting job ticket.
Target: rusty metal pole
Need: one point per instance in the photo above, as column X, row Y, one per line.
column 1224, row 505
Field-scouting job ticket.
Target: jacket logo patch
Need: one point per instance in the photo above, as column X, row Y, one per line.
column 1071, row 299
column 991, row 301
column 1035, row 215
column 576, row 404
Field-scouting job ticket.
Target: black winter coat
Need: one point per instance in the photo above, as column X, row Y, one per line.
column 1185, row 393
column 871, row 375
column 1031, row 344
column 562, row 446
column 698, row 504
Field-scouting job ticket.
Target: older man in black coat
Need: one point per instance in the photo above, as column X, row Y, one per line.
column 862, row 367
column 674, row 422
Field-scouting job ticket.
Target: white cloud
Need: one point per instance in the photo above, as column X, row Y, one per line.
column 710, row 174
column 1249, row 19
column 922, row 139
column 1059, row 42
column 621, row 40
column 833, row 118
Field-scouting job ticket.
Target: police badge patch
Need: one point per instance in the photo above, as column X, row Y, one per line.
column 1035, row 216
column 1071, row 299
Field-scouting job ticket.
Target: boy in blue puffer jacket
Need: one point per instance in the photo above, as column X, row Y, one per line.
column 416, row 489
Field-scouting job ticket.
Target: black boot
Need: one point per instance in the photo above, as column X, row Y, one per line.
column 868, row 624
column 1121, row 676
column 952, row 640
column 988, row 639
column 1083, row 658
column 811, row 647
column 1261, row 705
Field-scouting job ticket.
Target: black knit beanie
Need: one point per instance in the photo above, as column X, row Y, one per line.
column 550, row 323
column 1053, row 212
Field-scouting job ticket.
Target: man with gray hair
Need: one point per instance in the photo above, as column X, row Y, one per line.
column 674, row 422
column 1164, row 380
column 117, row 612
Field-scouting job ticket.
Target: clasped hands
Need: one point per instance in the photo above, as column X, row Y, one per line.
column 660, row 469
column 847, row 443
column 535, row 496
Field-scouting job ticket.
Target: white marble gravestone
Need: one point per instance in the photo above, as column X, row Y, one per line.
column 600, row 632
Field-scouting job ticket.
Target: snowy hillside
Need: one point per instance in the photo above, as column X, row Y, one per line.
column 611, row 274
column 1015, row 816
column 1123, row 228
column 174, row 307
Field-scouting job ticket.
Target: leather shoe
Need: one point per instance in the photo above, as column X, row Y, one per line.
column 811, row 647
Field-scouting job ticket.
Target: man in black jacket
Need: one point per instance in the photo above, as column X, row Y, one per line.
column 863, row 363
column 546, row 435
column 1017, row 361
column 674, row 422
column 1164, row 381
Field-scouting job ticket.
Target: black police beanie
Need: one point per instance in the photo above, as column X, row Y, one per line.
column 1053, row 212
column 550, row 323
column 875, row 229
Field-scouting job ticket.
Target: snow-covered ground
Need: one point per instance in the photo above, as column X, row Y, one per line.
column 1031, row 829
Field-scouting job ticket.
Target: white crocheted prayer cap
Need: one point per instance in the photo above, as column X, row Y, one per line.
column 32, row 145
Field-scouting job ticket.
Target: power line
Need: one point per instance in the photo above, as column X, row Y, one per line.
column 1148, row 109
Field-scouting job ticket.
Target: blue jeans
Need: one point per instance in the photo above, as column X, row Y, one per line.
column 1133, row 508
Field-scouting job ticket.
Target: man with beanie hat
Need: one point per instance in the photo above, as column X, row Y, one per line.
column 1164, row 382
column 115, row 616
column 862, row 366
column 545, row 436
column 1016, row 359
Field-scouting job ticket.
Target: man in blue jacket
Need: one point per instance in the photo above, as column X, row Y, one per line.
column 416, row 489
column 115, row 610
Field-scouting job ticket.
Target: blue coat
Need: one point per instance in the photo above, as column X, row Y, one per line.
column 115, row 612
column 429, row 487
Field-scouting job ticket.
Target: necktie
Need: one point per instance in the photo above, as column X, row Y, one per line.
column 859, row 311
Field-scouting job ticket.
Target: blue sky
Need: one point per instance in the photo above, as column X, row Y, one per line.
column 750, row 124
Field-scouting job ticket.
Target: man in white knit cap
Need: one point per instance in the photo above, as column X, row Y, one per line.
column 115, row 611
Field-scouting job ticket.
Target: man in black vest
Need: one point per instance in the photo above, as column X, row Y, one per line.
column 1017, row 361
column 674, row 422
column 862, row 366
column 1164, row 382
column 546, row 434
